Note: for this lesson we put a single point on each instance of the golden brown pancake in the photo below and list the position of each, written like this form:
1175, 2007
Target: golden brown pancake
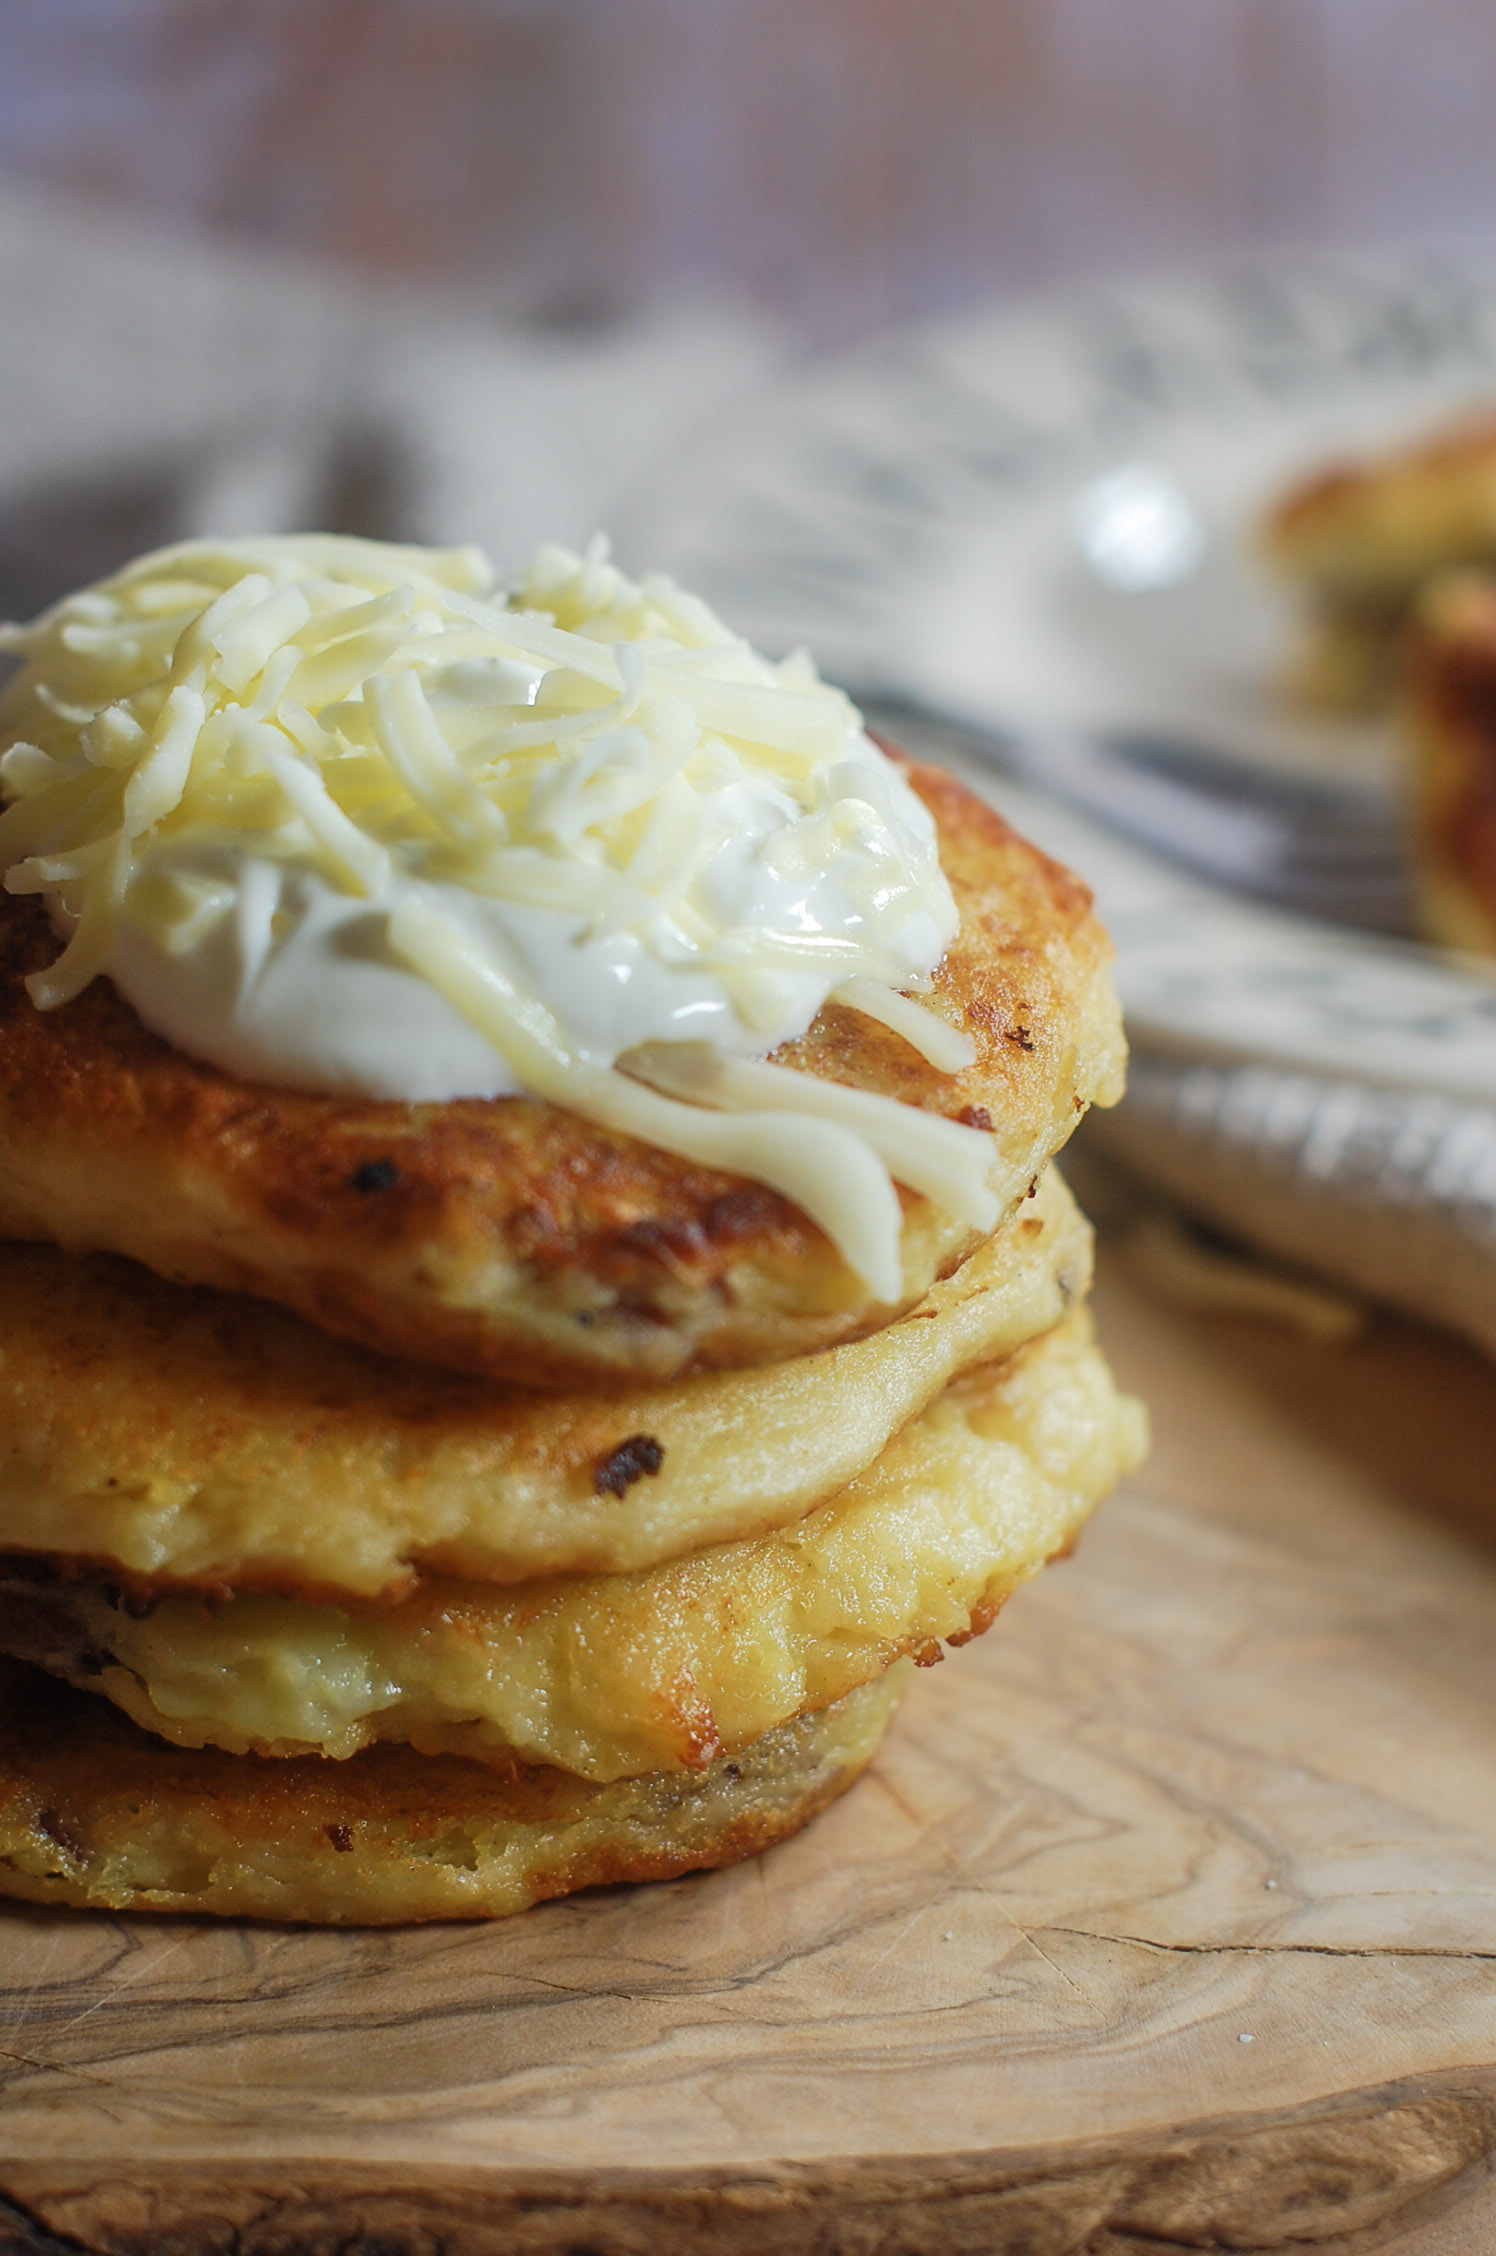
511, 1239
95, 1813
1371, 531
618, 1675
1360, 539
1451, 717
158, 1433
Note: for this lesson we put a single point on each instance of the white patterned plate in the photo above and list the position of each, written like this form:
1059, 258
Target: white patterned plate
1043, 516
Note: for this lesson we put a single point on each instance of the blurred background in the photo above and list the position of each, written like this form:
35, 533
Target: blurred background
514, 248
840, 164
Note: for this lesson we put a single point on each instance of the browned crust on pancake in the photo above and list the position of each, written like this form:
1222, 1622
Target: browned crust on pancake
1451, 709
210, 1440
96, 1813
1368, 531
512, 1239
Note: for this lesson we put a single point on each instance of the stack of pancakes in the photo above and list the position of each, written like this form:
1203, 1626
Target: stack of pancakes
415, 1511
1450, 725
1395, 558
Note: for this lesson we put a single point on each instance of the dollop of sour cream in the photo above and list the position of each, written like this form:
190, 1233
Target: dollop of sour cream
344, 816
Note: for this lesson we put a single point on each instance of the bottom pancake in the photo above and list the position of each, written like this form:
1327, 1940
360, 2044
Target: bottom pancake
96, 1813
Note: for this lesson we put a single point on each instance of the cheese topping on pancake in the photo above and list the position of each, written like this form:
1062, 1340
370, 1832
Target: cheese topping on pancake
342, 816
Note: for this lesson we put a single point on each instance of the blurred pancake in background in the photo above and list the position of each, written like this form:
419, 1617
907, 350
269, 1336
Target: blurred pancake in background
1360, 540
1450, 715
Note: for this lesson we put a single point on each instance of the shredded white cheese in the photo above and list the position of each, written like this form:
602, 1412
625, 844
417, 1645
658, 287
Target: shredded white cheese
335, 814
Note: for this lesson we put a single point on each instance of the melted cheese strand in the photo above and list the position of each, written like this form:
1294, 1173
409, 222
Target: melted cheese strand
832, 1175
947, 1162
943, 1045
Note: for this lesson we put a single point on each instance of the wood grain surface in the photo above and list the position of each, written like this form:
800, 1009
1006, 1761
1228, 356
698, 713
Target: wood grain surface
1165, 1919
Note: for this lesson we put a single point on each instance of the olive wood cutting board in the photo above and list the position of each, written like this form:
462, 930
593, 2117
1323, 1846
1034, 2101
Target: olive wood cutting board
1166, 1918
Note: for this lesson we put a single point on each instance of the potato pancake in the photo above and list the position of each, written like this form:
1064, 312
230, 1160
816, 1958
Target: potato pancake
1361, 539
511, 1239
95, 1813
618, 1675
1450, 727
1371, 531
162, 1434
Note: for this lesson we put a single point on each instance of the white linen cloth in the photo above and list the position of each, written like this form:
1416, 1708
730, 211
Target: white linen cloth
1322, 1095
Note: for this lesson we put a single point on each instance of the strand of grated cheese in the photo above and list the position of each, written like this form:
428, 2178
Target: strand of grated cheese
834, 1176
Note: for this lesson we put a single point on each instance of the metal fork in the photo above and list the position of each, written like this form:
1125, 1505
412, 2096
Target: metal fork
1325, 849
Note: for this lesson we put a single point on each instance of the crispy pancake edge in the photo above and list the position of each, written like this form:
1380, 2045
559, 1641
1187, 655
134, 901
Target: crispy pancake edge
617, 1675
1367, 530
162, 1434
96, 1814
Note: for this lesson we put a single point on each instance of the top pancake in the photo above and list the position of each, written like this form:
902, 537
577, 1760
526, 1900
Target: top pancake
514, 1240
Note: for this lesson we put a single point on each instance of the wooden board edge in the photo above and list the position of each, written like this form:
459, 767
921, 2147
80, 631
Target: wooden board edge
1334, 2178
